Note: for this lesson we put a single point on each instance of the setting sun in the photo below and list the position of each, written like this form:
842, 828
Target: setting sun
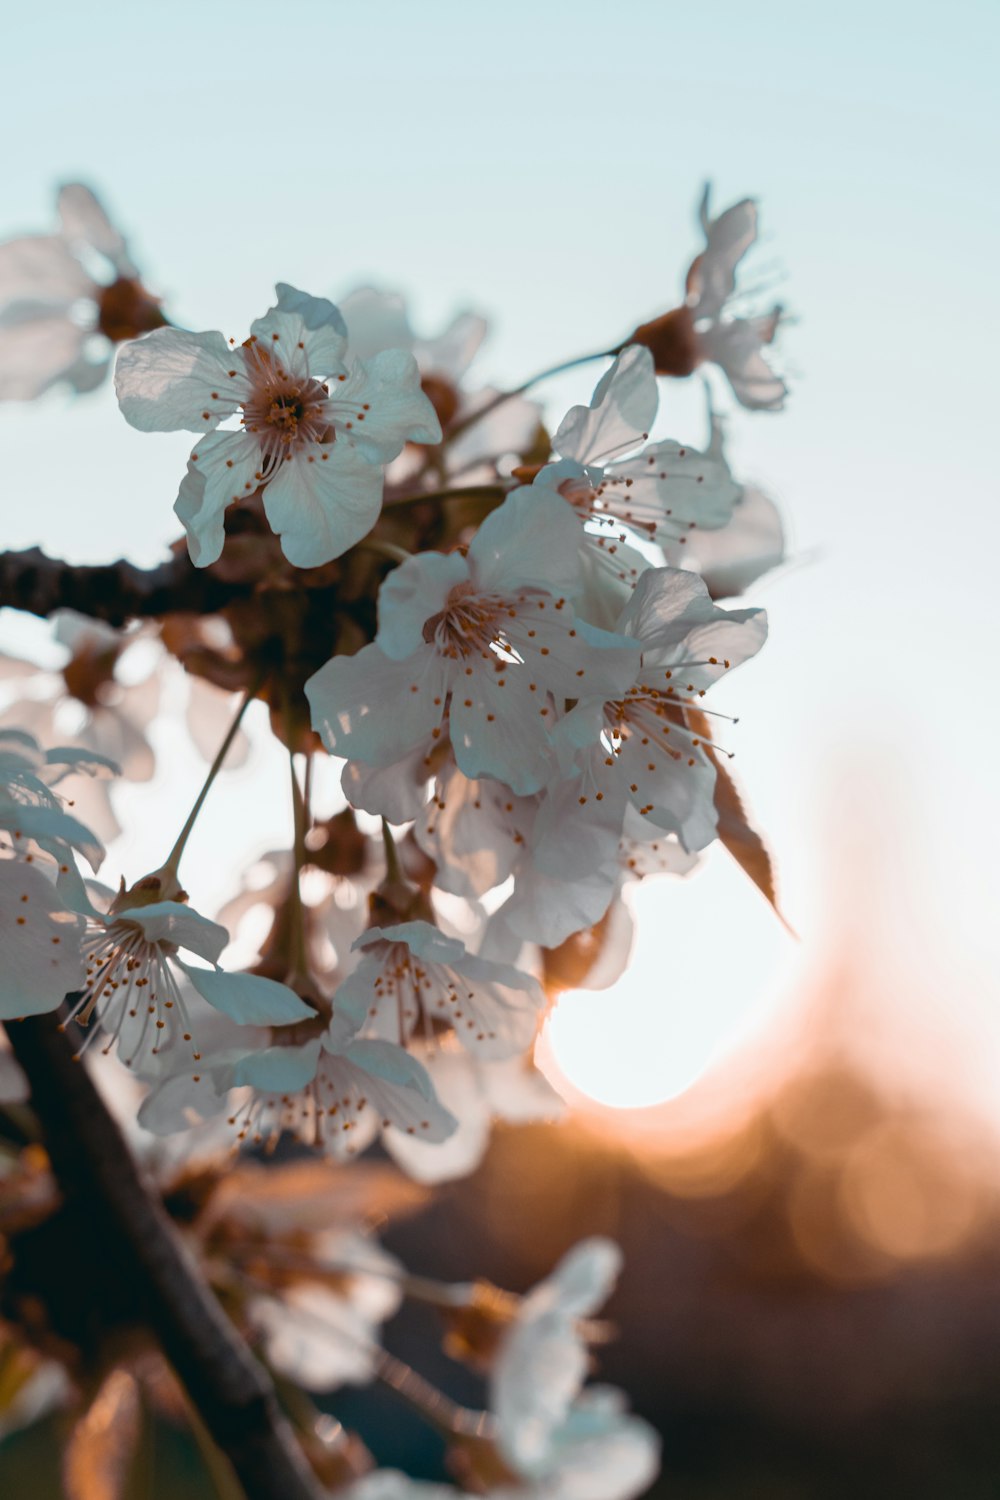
684, 999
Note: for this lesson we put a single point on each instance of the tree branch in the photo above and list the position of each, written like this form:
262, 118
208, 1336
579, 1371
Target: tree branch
93, 1166
113, 592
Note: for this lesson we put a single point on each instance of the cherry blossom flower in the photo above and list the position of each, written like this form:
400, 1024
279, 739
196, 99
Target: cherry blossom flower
132, 986
488, 640
338, 1094
313, 434
705, 329
646, 753
58, 320
661, 492
553, 1439
411, 973
42, 936
735, 344
314, 1082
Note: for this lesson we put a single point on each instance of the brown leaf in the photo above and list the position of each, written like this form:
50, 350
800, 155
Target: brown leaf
743, 841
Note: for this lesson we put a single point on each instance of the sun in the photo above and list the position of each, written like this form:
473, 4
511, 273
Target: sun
683, 1002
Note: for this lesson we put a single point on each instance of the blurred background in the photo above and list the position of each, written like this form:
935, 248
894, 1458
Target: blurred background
794, 1137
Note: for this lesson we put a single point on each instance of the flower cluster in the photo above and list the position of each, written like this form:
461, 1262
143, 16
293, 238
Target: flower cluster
493, 648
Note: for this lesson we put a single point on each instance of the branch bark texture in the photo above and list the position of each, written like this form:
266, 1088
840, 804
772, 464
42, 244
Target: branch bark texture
112, 592
230, 1390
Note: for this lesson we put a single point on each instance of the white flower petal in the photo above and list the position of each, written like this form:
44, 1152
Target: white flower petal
712, 277
171, 922
171, 379
315, 1337
399, 1089
312, 334
620, 414
223, 467
382, 406
530, 541
85, 222
279, 1070
51, 828
750, 545
375, 320
452, 352
396, 792
40, 269
369, 708
36, 353
323, 499
668, 488
542, 1363
412, 594
737, 348
40, 940
248, 998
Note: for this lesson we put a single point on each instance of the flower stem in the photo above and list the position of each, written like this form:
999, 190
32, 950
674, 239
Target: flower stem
393, 869
459, 492
437, 1409
174, 857
384, 549
519, 390
299, 818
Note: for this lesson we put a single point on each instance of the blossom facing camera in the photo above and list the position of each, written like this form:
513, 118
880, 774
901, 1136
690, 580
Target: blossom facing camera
488, 639
310, 429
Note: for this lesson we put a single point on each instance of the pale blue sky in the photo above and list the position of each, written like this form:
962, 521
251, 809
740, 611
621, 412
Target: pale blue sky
542, 162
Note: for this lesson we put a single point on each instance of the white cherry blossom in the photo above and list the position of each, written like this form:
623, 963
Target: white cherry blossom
41, 935
313, 429
488, 640
736, 344
133, 982
321, 1330
65, 298
613, 477
338, 1095
646, 752
557, 1440
412, 976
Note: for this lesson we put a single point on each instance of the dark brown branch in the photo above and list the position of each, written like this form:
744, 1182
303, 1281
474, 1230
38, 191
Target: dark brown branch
113, 592
231, 1392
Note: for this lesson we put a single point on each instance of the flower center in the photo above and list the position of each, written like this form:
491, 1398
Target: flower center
469, 625
284, 410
